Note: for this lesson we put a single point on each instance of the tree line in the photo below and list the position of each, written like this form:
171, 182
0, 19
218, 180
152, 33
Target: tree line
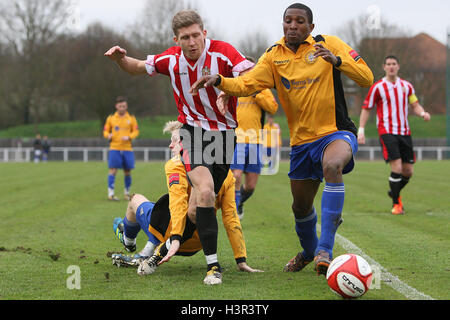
51, 73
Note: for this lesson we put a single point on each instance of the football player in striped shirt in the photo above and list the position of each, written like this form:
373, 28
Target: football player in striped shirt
306, 72
120, 129
391, 96
203, 124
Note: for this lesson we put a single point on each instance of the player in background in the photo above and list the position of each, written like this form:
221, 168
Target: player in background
45, 148
120, 129
391, 96
193, 56
272, 139
305, 71
247, 160
37, 147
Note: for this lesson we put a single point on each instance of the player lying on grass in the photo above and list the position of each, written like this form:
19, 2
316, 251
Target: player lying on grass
179, 238
154, 219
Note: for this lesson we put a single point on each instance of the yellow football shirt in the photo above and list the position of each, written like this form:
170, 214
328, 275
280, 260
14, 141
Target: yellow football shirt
310, 89
251, 113
121, 126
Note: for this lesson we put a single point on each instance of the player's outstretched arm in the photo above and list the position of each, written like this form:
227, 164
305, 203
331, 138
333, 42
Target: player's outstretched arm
127, 64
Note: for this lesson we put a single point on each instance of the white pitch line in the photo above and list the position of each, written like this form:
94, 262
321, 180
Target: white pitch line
398, 285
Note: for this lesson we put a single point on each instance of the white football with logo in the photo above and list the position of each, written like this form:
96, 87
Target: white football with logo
349, 276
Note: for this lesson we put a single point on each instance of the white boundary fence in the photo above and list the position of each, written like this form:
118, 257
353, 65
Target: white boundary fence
86, 154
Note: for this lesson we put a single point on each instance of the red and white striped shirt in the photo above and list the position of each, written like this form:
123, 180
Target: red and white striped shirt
391, 100
200, 110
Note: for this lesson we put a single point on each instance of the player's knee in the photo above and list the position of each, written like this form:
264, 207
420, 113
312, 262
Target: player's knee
332, 169
301, 210
407, 172
206, 197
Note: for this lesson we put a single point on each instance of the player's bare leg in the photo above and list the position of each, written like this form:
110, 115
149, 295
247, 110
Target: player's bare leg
206, 221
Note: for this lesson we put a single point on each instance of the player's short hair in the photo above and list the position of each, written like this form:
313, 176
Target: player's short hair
301, 6
391, 56
185, 18
171, 126
121, 99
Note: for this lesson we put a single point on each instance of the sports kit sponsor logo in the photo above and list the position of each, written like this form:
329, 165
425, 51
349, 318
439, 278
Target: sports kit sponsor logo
286, 83
278, 62
354, 55
174, 179
298, 84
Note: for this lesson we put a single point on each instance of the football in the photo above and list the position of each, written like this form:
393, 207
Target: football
349, 276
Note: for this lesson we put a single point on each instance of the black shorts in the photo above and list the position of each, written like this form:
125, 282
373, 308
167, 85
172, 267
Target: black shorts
397, 147
211, 149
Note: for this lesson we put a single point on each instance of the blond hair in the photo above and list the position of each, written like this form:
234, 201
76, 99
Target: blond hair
185, 18
171, 126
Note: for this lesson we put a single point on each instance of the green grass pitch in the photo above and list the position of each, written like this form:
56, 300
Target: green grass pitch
55, 215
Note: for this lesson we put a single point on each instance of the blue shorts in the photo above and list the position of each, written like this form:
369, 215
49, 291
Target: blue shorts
306, 159
121, 159
247, 157
143, 215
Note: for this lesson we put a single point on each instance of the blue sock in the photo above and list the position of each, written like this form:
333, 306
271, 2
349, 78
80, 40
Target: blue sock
111, 180
237, 196
332, 204
306, 231
130, 229
127, 181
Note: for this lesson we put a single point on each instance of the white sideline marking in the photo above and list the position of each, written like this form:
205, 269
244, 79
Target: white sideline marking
398, 285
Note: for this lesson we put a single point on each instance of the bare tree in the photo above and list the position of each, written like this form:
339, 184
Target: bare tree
28, 26
355, 30
359, 33
153, 28
254, 45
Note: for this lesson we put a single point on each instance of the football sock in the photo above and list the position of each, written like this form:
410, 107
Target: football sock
245, 194
395, 183
130, 229
111, 180
207, 231
332, 204
147, 251
237, 196
404, 182
127, 182
306, 231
